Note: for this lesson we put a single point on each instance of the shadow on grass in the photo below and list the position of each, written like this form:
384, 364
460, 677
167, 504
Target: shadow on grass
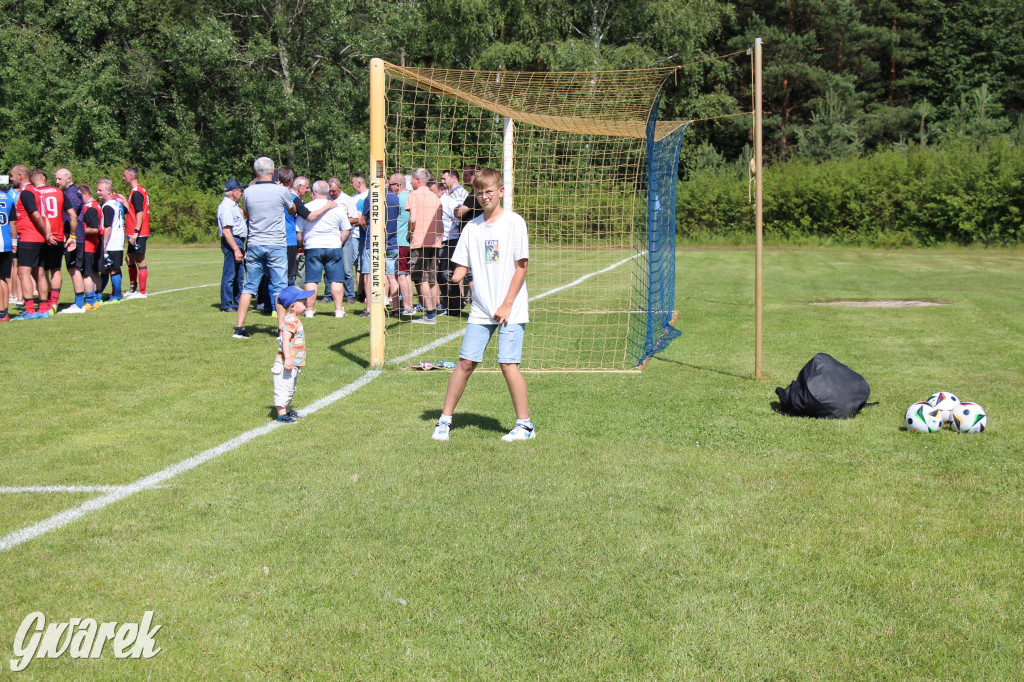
462, 420
263, 329
714, 302
704, 369
341, 347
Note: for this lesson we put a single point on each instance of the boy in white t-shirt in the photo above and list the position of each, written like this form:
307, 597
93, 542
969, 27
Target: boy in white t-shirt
496, 248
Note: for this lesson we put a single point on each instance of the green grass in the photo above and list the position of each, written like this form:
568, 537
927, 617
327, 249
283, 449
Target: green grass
666, 525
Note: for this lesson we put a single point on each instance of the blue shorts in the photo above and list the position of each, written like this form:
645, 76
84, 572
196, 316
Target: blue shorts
390, 261
320, 261
510, 342
272, 260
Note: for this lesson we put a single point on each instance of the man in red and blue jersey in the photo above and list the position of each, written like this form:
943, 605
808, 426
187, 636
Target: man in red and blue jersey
137, 230
7, 199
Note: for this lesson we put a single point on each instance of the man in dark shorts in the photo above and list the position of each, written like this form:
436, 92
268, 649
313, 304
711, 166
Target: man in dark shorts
137, 231
113, 238
91, 265
6, 245
33, 238
51, 207
470, 209
75, 239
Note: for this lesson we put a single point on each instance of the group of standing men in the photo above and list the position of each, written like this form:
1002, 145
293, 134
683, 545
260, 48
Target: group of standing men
279, 237
42, 227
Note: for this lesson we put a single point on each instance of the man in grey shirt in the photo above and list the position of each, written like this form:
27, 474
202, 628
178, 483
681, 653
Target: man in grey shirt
265, 204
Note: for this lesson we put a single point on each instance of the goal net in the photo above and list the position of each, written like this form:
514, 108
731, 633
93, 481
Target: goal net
592, 171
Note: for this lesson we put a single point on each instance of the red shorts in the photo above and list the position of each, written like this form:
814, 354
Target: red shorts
403, 260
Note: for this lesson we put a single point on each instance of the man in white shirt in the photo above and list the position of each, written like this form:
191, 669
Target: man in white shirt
455, 194
233, 230
322, 240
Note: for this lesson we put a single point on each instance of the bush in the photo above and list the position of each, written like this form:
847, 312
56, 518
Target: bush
916, 197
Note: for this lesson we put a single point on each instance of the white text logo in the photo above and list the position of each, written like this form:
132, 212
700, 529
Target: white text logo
82, 638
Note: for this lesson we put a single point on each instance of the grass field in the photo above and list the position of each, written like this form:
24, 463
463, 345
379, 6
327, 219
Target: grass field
663, 525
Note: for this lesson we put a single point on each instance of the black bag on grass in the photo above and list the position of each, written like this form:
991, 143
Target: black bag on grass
825, 388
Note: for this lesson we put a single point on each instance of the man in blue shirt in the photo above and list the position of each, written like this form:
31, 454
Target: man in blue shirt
74, 234
391, 246
286, 177
7, 198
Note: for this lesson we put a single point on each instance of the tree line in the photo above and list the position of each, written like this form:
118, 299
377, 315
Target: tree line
195, 90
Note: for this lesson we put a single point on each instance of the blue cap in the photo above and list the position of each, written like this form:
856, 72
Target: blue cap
292, 294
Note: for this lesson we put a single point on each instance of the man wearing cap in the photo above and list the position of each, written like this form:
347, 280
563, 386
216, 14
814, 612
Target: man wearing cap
233, 231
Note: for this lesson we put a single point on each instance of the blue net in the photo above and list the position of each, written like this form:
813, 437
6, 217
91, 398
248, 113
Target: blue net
659, 248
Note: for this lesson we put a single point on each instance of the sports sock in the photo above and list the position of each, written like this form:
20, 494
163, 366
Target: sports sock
524, 422
54, 296
115, 286
445, 419
3, 313
133, 276
143, 276
44, 306
80, 300
104, 278
30, 306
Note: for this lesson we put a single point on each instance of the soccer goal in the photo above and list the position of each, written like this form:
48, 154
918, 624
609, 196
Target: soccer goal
587, 164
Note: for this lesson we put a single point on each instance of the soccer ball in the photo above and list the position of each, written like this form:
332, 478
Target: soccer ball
944, 402
923, 418
969, 418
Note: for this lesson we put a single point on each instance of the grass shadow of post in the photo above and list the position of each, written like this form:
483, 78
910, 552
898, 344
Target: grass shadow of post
340, 347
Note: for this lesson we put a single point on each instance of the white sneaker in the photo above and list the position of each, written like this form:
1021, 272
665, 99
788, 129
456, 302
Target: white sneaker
309, 313
424, 320
71, 309
139, 294
441, 431
521, 432
339, 313
130, 295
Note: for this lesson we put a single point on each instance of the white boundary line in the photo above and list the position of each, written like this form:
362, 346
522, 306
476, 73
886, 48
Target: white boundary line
12, 540
171, 291
14, 490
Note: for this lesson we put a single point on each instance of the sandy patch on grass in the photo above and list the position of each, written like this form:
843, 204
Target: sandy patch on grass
883, 303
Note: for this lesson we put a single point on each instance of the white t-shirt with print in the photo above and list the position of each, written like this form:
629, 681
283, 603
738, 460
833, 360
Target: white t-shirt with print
490, 251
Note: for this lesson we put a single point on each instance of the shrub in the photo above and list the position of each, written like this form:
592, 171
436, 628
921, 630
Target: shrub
958, 195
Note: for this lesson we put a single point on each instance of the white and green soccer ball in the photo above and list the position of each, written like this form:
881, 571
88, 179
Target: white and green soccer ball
944, 402
969, 418
922, 417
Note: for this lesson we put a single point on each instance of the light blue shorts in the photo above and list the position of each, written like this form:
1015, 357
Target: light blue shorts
510, 342
390, 261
